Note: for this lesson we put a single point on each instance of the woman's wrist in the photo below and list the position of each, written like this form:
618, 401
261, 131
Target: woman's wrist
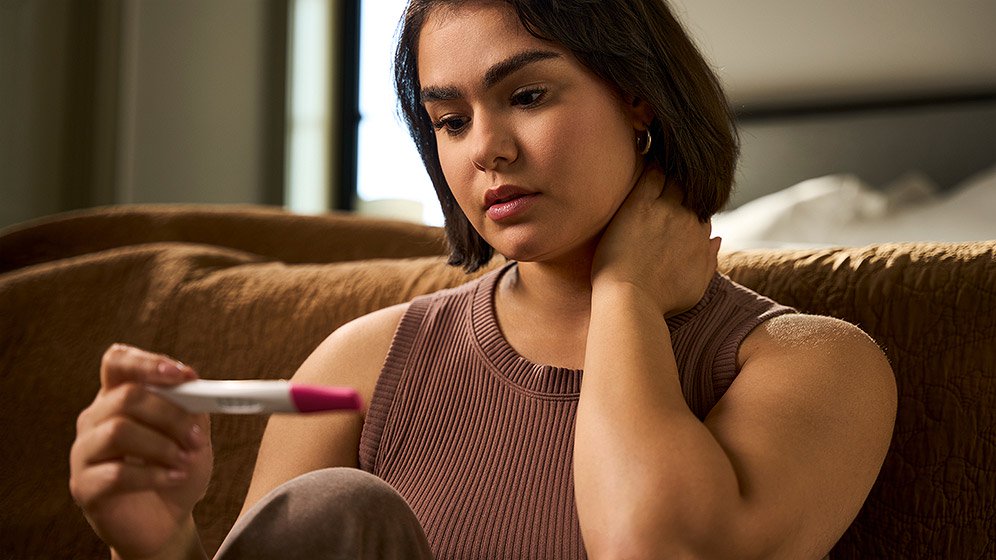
186, 545
615, 289
630, 293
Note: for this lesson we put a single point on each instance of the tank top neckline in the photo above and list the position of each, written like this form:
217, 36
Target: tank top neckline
545, 381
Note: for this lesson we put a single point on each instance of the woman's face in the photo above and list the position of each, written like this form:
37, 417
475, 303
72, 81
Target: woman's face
538, 152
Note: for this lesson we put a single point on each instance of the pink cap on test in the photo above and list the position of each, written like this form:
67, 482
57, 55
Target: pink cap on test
312, 398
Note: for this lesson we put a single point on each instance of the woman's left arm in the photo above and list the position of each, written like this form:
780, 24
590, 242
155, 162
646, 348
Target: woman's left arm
783, 462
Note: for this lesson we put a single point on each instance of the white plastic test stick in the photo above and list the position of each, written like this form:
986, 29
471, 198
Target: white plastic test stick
257, 397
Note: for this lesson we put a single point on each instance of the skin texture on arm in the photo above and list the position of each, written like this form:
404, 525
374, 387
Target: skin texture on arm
293, 445
763, 476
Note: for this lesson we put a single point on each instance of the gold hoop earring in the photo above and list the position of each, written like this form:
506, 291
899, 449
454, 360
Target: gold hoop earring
646, 145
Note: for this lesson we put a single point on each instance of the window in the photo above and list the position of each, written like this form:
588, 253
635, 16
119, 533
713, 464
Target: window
390, 177
307, 167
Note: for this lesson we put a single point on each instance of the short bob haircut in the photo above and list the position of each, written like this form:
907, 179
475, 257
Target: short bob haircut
639, 48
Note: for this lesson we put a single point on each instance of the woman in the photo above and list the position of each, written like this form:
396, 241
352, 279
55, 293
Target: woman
588, 143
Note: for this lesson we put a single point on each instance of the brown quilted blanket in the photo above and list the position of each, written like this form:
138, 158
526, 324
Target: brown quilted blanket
247, 293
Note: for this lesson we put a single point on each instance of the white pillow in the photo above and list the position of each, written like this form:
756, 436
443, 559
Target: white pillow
843, 210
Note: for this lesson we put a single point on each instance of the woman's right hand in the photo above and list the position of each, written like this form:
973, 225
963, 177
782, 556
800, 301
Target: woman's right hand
657, 245
139, 462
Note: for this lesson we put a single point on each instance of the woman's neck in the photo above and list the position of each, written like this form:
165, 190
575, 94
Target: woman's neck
543, 309
565, 289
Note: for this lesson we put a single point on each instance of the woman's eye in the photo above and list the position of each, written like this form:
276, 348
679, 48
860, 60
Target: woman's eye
528, 97
452, 125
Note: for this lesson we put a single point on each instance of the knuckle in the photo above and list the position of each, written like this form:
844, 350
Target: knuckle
121, 363
127, 399
76, 490
88, 488
116, 429
74, 456
112, 475
112, 364
114, 353
83, 421
129, 395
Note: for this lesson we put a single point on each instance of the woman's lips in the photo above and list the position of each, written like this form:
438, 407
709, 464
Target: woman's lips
507, 201
510, 208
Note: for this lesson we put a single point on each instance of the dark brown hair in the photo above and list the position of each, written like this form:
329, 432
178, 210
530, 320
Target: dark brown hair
637, 47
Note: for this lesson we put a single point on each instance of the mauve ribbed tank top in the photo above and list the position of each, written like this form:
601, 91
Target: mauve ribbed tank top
478, 439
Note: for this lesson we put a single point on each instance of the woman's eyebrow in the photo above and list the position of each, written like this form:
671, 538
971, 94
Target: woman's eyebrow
503, 69
433, 93
494, 74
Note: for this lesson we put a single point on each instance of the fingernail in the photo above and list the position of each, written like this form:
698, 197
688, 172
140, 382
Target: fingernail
170, 370
196, 436
185, 370
176, 474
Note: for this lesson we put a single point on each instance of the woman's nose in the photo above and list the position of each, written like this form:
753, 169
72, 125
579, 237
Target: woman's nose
494, 144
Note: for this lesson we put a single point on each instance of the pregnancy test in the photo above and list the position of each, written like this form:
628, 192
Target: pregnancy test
257, 397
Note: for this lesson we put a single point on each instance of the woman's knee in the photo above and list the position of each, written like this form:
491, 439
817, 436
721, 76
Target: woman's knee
330, 513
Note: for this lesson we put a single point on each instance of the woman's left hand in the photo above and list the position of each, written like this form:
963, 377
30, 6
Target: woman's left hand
657, 245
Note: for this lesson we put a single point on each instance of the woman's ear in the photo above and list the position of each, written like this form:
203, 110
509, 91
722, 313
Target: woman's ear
642, 113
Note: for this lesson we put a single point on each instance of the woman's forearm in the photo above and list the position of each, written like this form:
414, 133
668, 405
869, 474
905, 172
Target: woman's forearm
648, 473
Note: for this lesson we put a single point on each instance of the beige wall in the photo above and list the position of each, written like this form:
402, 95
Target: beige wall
192, 107
141, 101
785, 52
33, 59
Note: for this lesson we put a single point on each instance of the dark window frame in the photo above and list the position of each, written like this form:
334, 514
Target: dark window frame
347, 38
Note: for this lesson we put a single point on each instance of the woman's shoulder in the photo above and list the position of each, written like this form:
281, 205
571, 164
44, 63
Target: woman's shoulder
824, 368
795, 331
825, 350
372, 327
354, 353
365, 342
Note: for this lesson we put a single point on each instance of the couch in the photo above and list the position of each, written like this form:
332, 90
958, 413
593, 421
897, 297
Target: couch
247, 292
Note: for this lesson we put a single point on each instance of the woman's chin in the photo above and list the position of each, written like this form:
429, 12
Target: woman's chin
546, 250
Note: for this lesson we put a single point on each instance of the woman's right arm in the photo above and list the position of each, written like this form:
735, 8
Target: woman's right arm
139, 463
294, 444
137, 469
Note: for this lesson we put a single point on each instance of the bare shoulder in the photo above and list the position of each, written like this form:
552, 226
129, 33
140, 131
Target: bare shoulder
824, 369
832, 349
354, 353
807, 422
794, 328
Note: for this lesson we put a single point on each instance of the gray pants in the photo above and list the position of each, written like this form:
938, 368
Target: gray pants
335, 513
